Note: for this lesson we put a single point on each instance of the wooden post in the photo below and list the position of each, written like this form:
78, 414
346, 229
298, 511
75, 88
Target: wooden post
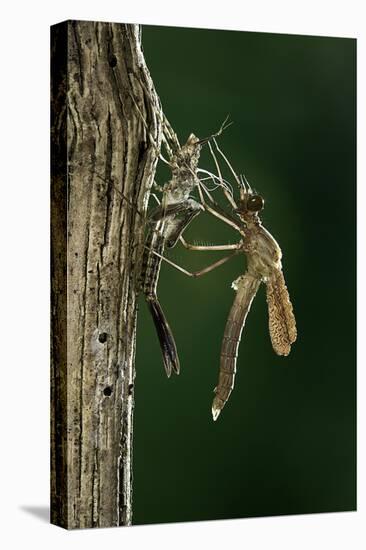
99, 145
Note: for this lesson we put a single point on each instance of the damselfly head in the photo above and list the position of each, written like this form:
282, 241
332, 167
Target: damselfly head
255, 203
251, 203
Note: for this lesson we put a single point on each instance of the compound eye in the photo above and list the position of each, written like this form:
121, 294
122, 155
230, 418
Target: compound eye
255, 203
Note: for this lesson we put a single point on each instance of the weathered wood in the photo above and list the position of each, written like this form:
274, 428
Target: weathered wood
98, 136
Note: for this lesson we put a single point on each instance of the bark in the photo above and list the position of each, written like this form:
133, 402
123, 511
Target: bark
99, 143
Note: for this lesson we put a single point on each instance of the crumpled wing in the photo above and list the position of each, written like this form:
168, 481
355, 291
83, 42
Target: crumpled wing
282, 324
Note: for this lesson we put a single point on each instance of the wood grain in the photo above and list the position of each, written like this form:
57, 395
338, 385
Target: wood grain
99, 143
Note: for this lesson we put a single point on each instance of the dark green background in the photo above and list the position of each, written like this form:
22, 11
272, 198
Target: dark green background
285, 442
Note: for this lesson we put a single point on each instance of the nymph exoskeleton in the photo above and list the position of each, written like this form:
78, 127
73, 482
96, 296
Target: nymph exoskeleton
166, 224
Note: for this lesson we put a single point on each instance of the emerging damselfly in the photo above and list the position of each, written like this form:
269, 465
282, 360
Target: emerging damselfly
263, 256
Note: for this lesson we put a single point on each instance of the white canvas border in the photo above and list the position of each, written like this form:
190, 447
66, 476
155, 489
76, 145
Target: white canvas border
25, 273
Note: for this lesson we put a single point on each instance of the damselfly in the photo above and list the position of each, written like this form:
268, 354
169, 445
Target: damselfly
263, 256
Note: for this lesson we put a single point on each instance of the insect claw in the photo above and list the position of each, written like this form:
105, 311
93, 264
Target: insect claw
223, 127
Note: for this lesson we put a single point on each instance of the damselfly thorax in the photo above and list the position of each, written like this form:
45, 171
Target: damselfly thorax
262, 251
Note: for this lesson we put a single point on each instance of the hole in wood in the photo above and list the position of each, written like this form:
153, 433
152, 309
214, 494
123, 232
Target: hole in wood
107, 391
102, 337
112, 60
